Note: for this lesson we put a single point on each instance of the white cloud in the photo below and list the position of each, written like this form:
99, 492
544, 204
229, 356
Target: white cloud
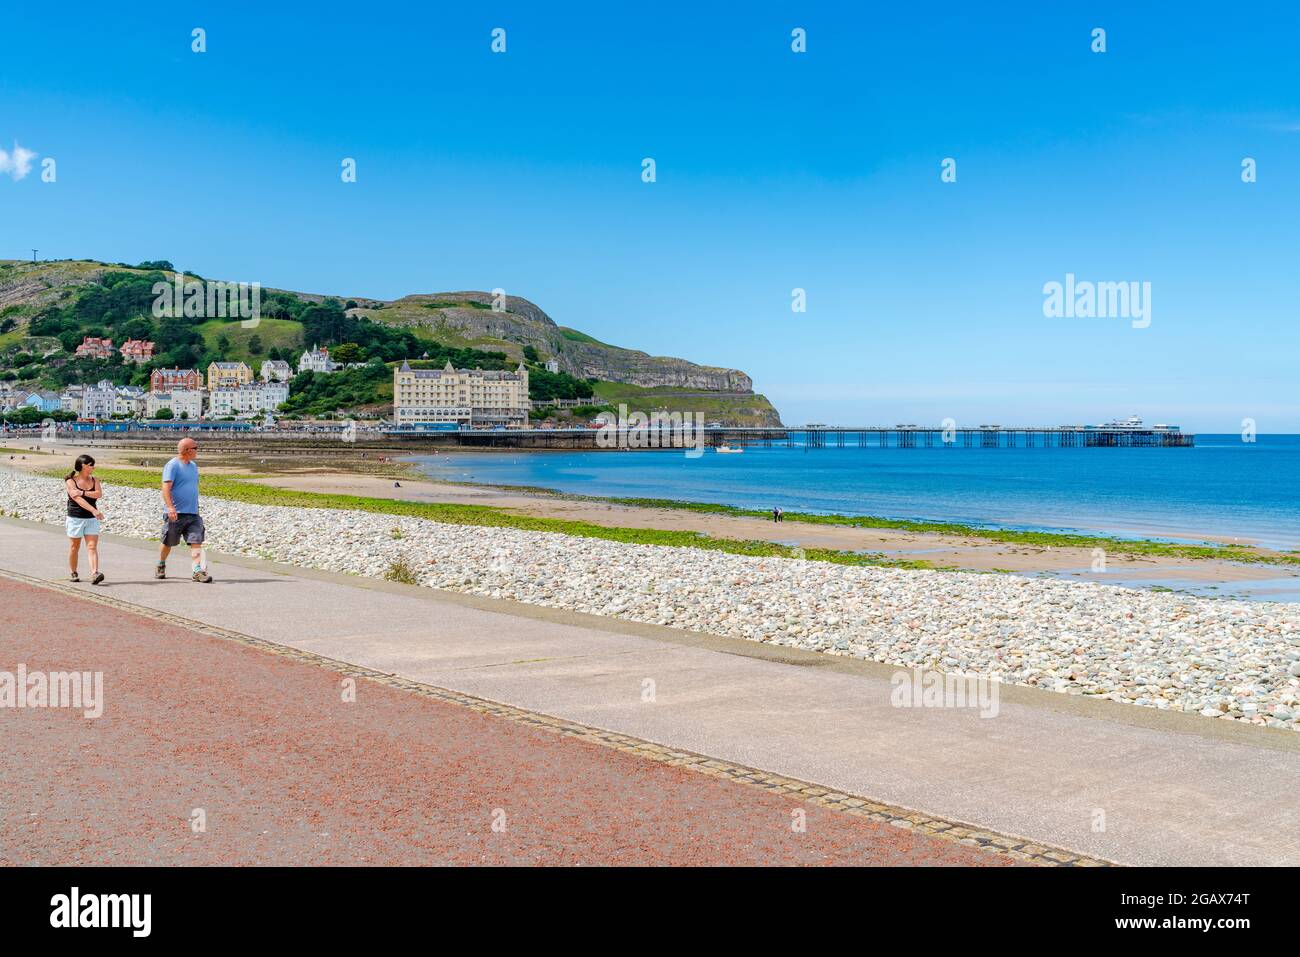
18, 163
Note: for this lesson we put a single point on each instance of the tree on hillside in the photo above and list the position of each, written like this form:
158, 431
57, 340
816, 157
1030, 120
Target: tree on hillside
322, 324
116, 298
543, 385
179, 344
255, 345
137, 328
347, 352
440, 355
281, 305
314, 394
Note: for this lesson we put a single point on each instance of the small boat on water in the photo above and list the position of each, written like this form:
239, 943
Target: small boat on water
728, 449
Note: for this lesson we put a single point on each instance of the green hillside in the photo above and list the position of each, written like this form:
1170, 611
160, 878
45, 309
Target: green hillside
253, 345
736, 409
47, 308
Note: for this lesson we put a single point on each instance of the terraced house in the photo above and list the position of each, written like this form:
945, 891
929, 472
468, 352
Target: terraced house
167, 380
183, 403
129, 400
247, 399
73, 400
43, 401
97, 400
469, 398
276, 370
228, 375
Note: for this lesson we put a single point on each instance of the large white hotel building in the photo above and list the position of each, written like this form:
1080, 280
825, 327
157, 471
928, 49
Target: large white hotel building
464, 397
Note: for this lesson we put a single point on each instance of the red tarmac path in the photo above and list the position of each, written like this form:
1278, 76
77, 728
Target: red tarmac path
288, 773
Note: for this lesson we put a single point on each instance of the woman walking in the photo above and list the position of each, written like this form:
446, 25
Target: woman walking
84, 492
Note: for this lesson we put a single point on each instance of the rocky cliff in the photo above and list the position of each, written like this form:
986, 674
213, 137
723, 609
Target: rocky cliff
468, 316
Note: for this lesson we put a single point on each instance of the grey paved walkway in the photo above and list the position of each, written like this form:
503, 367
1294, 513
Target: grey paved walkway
1123, 783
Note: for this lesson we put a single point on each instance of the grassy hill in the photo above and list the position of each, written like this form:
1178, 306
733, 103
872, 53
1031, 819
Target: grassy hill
731, 409
283, 334
47, 307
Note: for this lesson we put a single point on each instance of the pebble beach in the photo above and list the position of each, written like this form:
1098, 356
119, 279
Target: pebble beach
1221, 659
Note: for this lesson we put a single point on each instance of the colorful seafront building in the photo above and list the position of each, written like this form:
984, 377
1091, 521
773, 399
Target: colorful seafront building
179, 390
103, 400
228, 375
247, 398
188, 402
168, 380
40, 400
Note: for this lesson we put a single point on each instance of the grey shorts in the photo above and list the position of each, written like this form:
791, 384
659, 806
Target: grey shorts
187, 526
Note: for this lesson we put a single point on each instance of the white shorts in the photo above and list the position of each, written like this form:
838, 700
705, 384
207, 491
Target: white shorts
77, 527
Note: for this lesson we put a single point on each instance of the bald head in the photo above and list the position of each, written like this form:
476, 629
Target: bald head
186, 449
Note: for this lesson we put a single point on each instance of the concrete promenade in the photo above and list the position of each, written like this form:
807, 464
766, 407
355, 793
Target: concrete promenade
1125, 784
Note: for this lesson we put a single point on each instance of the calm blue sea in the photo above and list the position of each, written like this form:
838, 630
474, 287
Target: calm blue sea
1223, 488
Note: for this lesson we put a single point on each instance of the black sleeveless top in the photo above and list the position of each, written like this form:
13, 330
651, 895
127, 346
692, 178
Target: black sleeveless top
75, 510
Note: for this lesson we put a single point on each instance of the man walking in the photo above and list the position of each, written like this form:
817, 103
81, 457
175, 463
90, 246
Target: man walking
180, 494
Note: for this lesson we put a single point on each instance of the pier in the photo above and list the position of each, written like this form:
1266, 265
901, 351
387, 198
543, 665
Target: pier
821, 437
989, 437
330, 438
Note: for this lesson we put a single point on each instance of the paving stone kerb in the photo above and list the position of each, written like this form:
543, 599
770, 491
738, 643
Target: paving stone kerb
1171, 792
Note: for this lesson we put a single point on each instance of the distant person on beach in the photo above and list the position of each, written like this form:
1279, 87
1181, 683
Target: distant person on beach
780, 515
774, 514
84, 492
180, 494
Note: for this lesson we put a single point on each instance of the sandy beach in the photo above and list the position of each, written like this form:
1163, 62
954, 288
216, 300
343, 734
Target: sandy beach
356, 476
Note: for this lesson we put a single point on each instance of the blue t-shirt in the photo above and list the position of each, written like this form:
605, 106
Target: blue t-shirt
184, 477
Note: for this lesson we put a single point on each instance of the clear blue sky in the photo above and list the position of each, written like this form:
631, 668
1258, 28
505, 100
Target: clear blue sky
775, 171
